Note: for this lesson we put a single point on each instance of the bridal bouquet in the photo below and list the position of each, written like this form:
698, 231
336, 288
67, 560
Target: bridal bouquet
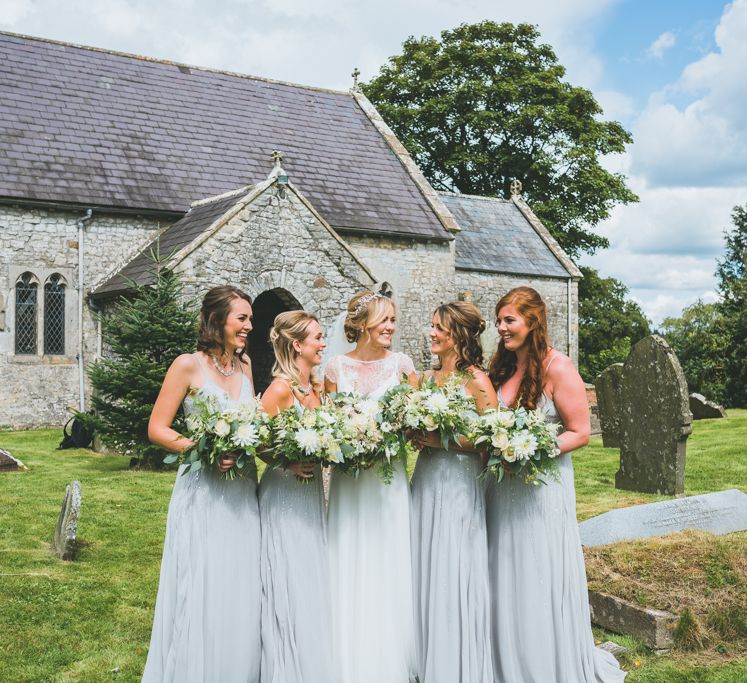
519, 442
217, 432
309, 436
446, 409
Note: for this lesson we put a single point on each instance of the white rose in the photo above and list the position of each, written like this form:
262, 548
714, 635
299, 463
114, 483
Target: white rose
222, 428
500, 440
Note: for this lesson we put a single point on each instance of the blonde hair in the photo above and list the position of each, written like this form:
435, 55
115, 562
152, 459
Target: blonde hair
288, 327
365, 310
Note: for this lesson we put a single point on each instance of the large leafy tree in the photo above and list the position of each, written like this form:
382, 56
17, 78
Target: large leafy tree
144, 333
699, 338
487, 103
732, 276
608, 323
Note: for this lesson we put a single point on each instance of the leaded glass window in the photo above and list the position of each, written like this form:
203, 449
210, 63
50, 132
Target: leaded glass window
26, 307
54, 316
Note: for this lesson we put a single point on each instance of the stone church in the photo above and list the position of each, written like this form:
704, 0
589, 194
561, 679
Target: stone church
299, 195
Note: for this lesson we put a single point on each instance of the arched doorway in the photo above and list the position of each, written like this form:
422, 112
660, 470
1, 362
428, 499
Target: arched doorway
265, 307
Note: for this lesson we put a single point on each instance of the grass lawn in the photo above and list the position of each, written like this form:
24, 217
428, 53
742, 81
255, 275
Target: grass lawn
90, 620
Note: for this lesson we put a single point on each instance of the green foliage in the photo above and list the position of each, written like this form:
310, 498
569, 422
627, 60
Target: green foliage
608, 323
487, 103
145, 333
688, 634
699, 338
732, 275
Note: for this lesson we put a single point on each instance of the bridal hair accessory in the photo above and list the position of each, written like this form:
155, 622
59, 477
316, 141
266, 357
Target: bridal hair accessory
384, 291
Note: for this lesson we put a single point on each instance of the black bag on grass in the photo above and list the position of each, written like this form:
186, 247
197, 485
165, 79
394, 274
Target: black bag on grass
80, 434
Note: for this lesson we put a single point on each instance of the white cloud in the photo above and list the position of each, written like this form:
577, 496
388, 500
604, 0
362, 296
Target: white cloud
702, 142
14, 11
664, 42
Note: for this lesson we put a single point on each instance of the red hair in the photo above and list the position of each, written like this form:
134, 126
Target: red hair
530, 306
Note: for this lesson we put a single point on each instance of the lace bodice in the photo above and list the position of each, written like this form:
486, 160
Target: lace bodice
369, 377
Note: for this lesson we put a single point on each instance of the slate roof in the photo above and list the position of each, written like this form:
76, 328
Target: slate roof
89, 127
496, 237
169, 242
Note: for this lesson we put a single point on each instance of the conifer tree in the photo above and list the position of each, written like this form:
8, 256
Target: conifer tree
143, 334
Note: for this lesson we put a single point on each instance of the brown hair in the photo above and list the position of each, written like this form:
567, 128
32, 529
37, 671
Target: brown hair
530, 306
213, 314
366, 309
288, 327
464, 323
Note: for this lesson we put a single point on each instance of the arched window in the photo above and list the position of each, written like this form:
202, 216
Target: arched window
26, 308
54, 315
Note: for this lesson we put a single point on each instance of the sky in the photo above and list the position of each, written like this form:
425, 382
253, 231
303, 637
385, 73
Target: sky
669, 70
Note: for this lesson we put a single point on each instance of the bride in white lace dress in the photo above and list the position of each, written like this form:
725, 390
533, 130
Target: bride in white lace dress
369, 521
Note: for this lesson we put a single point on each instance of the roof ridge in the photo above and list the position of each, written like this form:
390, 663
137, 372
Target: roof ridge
218, 197
474, 196
169, 62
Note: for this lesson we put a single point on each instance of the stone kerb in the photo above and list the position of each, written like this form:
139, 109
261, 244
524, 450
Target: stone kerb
655, 420
608, 384
66, 533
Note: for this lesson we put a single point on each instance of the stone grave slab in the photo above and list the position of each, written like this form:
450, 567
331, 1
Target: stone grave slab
8, 463
608, 384
703, 409
66, 533
655, 420
722, 512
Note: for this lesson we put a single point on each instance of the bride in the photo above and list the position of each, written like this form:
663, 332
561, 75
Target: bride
369, 521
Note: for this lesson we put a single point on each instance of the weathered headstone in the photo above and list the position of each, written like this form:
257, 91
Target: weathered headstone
655, 420
608, 385
66, 534
591, 400
8, 463
723, 512
703, 409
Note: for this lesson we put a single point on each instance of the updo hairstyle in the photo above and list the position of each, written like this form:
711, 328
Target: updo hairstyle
366, 310
464, 323
288, 327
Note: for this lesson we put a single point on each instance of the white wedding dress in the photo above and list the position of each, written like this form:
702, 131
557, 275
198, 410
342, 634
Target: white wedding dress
369, 544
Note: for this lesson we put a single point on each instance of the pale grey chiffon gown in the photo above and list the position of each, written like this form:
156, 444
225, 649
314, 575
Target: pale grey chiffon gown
296, 610
539, 605
206, 626
450, 568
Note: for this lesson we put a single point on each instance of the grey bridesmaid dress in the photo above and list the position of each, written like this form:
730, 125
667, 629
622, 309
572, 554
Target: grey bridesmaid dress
539, 606
294, 571
450, 568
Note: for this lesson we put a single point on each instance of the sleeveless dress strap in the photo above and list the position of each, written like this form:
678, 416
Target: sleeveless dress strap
552, 360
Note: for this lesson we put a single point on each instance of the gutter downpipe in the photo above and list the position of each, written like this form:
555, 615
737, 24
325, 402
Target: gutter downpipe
81, 375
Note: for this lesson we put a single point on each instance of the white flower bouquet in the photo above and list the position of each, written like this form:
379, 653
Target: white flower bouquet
361, 436
446, 409
312, 435
519, 442
217, 432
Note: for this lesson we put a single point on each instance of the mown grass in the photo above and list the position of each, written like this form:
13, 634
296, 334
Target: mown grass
90, 620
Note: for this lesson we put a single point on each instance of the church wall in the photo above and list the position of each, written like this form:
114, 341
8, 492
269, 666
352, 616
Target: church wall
484, 290
37, 389
422, 277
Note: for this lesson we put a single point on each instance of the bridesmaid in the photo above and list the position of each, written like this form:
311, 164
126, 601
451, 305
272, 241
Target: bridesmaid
207, 618
296, 612
540, 610
449, 542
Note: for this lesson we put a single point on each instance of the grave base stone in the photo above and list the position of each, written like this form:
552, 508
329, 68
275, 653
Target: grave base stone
66, 533
8, 463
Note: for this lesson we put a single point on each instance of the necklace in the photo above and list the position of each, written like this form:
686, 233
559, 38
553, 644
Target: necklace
219, 367
304, 391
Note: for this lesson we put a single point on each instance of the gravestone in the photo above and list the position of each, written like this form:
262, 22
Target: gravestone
723, 512
608, 384
66, 534
655, 420
8, 463
703, 409
591, 400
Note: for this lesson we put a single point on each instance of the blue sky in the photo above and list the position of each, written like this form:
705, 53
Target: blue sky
670, 70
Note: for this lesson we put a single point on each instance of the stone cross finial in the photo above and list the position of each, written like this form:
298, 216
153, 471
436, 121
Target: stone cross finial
277, 168
355, 74
516, 187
